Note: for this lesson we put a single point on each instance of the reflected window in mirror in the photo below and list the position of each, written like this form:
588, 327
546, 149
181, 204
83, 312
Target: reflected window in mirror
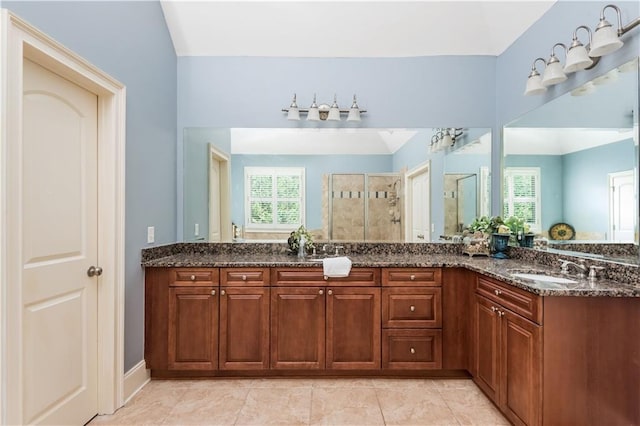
522, 195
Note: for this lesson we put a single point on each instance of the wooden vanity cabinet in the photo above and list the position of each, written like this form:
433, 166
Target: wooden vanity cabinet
244, 319
319, 322
192, 332
411, 318
508, 350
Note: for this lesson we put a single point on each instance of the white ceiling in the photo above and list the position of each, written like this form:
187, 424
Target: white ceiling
558, 141
348, 28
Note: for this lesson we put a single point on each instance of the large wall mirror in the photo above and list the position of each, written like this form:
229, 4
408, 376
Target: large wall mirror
570, 167
378, 185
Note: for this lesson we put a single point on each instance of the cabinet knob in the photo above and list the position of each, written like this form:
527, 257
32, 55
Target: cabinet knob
413, 351
244, 278
222, 292
412, 308
493, 309
213, 292
320, 292
192, 277
412, 277
497, 292
330, 292
326, 278
500, 313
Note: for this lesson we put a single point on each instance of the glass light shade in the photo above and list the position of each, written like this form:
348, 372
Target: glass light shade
354, 114
534, 86
577, 59
605, 41
293, 114
553, 74
313, 114
334, 113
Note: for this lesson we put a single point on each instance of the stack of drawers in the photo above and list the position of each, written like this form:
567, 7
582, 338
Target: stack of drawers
411, 318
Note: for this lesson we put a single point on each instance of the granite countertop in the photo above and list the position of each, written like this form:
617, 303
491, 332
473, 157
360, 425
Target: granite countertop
497, 268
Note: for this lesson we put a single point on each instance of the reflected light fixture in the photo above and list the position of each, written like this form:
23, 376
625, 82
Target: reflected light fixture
444, 138
534, 82
553, 73
605, 39
323, 111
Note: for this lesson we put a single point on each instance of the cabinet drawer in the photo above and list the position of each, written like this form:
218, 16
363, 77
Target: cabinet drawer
410, 277
411, 349
519, 301
251, 277
193, 277
358, 277
412, 307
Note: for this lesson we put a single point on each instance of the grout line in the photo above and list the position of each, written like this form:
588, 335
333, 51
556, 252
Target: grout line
375, 392
244, 404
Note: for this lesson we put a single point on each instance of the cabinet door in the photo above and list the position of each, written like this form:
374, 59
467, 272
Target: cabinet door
521, 369
297, 328
244, 328
193, 328
486, 340
353, 328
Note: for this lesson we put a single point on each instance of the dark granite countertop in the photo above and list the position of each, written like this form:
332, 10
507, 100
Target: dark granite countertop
501, 269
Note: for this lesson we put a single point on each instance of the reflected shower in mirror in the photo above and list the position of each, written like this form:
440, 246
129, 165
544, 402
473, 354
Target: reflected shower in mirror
570, 167
259, 184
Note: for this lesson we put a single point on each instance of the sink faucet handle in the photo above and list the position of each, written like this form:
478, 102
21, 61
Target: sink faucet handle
564, 265
338, 248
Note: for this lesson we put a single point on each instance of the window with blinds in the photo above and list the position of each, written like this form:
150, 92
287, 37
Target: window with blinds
522, 195
274, 197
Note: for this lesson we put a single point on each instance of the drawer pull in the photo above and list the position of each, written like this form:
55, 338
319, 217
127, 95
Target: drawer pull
493, 309
320, 292
412, 277
412, 308
330, 292
244, 278
213, 292
192, 277
222, 292
500, 313
497, 292
326, 278
413, 351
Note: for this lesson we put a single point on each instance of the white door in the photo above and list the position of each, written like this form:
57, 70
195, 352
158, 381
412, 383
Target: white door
215, 227
59, 235
622, 221
420, 220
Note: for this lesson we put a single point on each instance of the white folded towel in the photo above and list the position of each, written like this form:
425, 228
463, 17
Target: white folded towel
336, 266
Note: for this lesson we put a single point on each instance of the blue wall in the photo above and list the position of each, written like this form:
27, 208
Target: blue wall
129, 41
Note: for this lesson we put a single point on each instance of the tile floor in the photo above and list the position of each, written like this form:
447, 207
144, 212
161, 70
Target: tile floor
307, 402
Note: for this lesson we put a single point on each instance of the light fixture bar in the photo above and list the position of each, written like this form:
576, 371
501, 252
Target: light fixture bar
323, 112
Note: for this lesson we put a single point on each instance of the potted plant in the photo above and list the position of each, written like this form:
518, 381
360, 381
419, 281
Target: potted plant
520, 230
294, 240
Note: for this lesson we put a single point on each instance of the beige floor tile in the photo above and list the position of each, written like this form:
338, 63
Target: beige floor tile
345, 406
417, 406
343, 382
472, 407
403, 383
454, 384
217, 406
276, 406
278, 382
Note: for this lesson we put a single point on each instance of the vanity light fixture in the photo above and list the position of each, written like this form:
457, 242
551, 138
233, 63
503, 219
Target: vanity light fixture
323, 112
577, 55
553, 73
605, 39
534, 82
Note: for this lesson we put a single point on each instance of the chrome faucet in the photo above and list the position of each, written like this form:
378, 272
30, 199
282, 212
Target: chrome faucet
564, 267
301, 246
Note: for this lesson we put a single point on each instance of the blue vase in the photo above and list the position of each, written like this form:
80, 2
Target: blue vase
499, 244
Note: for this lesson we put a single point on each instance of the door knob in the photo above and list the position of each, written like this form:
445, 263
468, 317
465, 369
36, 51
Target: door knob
94, 271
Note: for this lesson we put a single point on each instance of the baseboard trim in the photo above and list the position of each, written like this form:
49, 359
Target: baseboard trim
135, 379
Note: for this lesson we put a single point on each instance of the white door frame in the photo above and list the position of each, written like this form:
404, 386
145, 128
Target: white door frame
225, 192
20, 40
408, 206
612, 177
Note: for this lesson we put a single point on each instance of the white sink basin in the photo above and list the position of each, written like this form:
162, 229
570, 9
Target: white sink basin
544, 278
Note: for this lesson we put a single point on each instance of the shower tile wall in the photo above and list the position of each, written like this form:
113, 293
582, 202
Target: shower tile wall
385, 223
347, 216
348, 219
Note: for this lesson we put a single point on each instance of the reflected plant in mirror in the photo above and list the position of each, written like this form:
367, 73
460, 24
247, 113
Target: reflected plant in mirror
570, 168
377, 185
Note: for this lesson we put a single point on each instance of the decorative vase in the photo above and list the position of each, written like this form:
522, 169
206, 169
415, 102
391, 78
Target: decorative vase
499, 244
526, 240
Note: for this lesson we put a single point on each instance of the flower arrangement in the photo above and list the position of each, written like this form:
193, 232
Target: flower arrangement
487, 225
294, 240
